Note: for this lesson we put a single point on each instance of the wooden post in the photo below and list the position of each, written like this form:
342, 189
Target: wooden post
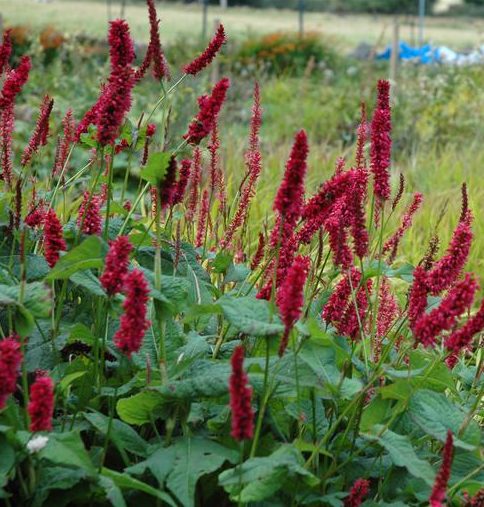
204, 19
421, 22
215, 64
224, 4
301, 17
395, 54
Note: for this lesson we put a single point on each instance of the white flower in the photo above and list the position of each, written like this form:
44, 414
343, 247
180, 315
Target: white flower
37, 443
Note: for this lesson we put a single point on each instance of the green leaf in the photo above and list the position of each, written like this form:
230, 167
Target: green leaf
140, 408
124, 437
67, 449
88, 255
124, 481
222, 262
182, 464
88, 281
51, 478
250, 316
261, 478
155, 168
67, 380
402, 453
113, 492
435, 414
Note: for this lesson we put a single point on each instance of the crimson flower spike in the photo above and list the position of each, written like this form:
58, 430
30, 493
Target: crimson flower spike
361, 139
116, 267
240, 398
10, 360
381, 142
39, 136
209, 54
53, 238
133, 322
358, 492
14, 82
41, 404
5, 50
438, 494
290, 297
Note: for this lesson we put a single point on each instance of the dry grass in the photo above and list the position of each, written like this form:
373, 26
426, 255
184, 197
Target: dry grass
185, 20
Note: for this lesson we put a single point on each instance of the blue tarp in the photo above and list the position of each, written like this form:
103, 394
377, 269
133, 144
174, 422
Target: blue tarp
440, 54
425, 54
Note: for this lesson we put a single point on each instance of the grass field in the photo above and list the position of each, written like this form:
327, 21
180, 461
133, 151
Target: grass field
182, 20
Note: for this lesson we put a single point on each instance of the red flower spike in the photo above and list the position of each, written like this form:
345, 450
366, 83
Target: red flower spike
5, 50
133, 322
461, 339
381, 142
356, 208
116, 265
358, 492
437, 497
53, 238
447, 270
69, 136
337, 303
240, 398
355, 314
209, 109
157, 56
195, 180
168, 186
417, 301
290, 196
41, 404
202, 220
14, 82
259, 253
89, 215
208, 55
458, 300
7, 124
10, 360
392, 244
290, 297
181, 185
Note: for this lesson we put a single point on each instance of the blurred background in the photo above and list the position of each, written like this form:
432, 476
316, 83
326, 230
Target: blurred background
316, 60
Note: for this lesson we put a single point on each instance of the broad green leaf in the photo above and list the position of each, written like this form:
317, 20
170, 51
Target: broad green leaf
236, 273
67, 449
113, 492
250, 316
88, 281
402, 453
155, 169
222, 262
182, 464
88, 255
124, 437
67, 380
376, 412
435, 414
124, 481
51, 478
140, 408
262, 477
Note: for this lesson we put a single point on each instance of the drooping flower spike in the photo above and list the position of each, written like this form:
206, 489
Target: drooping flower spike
209, 54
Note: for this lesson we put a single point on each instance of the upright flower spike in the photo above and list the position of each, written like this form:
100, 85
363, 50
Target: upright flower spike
334, 309
353, 322
168, 185
437, 497
338, 236
240, 398
116, 101
209, 109
290, 297
358, 492
417, 300
181, 184
362, 136
5, 50
381, 142
209, 54
456, 302
41, 404
202, 223
356, 208
447, 270
39, 136
116, 266
157, 56
392, 244
290, 196
10, 360
89, 217
259, 253
14, 82
53, 238
7, 124
253, 161
133, 322
69, 134
195, 181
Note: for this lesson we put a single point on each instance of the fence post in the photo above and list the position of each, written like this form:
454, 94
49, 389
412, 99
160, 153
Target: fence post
216, 63
421, 21
301, 7
395, 54
204, 19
